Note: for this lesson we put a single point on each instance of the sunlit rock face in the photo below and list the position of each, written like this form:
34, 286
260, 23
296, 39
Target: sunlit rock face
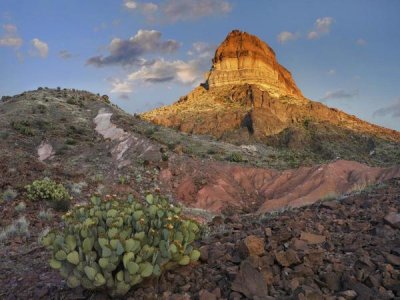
244, 58
248, 95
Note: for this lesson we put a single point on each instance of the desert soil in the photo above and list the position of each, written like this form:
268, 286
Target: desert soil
347, 248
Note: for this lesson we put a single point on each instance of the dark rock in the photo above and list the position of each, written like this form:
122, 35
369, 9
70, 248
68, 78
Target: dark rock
235, 296
374, 281
330, 204
206, 295
363, 292
303, 271
348, 295
307, 293
392, 259
217, 292
299, 244
217, 221
393, 219
250, 282
204, 253
312, 238
287, 258
232, 271
332, 281
252, 245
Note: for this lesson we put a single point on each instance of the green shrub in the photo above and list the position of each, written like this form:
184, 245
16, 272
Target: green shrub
235, 157
9, 195
50, 191
123, 179
42, 108
22, 127
4, 135
106, 99
70, 141
211, 151
45, 215
20, 207
114, 244
19, 227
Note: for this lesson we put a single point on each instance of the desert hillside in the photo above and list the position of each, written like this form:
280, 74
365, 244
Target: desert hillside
249, 96
244, 195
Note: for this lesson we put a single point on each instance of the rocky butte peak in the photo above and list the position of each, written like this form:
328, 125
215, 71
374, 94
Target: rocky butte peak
244, 58
248, 95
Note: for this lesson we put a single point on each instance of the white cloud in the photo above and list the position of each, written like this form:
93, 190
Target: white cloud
189, 72
129, 52
179, 10
10, 37
64, 54
149, 8
121, 86
393, 110
361, 42
322, 27
145, 8
202, 50
331, 72
131, 4
42, 49
162, 71
339, 94
10, 28
286, 36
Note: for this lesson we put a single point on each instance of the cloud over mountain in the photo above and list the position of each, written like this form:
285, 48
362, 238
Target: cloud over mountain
179, 10
10, 37
161, 71
339, 94
322, 27
286, 36
40, 48
392, 110
130, 51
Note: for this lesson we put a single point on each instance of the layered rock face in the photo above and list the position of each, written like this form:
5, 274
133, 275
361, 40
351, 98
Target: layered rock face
215, 186
248, 94
244, 58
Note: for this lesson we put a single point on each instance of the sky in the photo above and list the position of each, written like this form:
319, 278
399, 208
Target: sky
145, 54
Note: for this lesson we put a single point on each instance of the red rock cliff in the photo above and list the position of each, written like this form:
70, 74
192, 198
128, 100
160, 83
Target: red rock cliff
244, 58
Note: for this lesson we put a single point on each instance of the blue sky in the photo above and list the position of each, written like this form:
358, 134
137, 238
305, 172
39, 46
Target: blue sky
148, 53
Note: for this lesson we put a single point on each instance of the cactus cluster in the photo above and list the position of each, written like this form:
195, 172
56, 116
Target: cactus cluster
115, 244
48, 190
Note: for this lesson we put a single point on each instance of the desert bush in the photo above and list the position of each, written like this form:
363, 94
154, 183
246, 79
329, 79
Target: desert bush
23, 127
42, 108
70, 141
114, 244
9, 195
4, 135
20, 207
235, 157
211, 151
19, 227
105, 99
49, 190
123, 179
45, 215
5, 98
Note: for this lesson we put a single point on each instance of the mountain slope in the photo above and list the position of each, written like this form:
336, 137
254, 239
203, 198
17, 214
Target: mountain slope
250, 97
90, 146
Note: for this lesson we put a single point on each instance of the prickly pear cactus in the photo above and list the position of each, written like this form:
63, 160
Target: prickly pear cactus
114, 244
